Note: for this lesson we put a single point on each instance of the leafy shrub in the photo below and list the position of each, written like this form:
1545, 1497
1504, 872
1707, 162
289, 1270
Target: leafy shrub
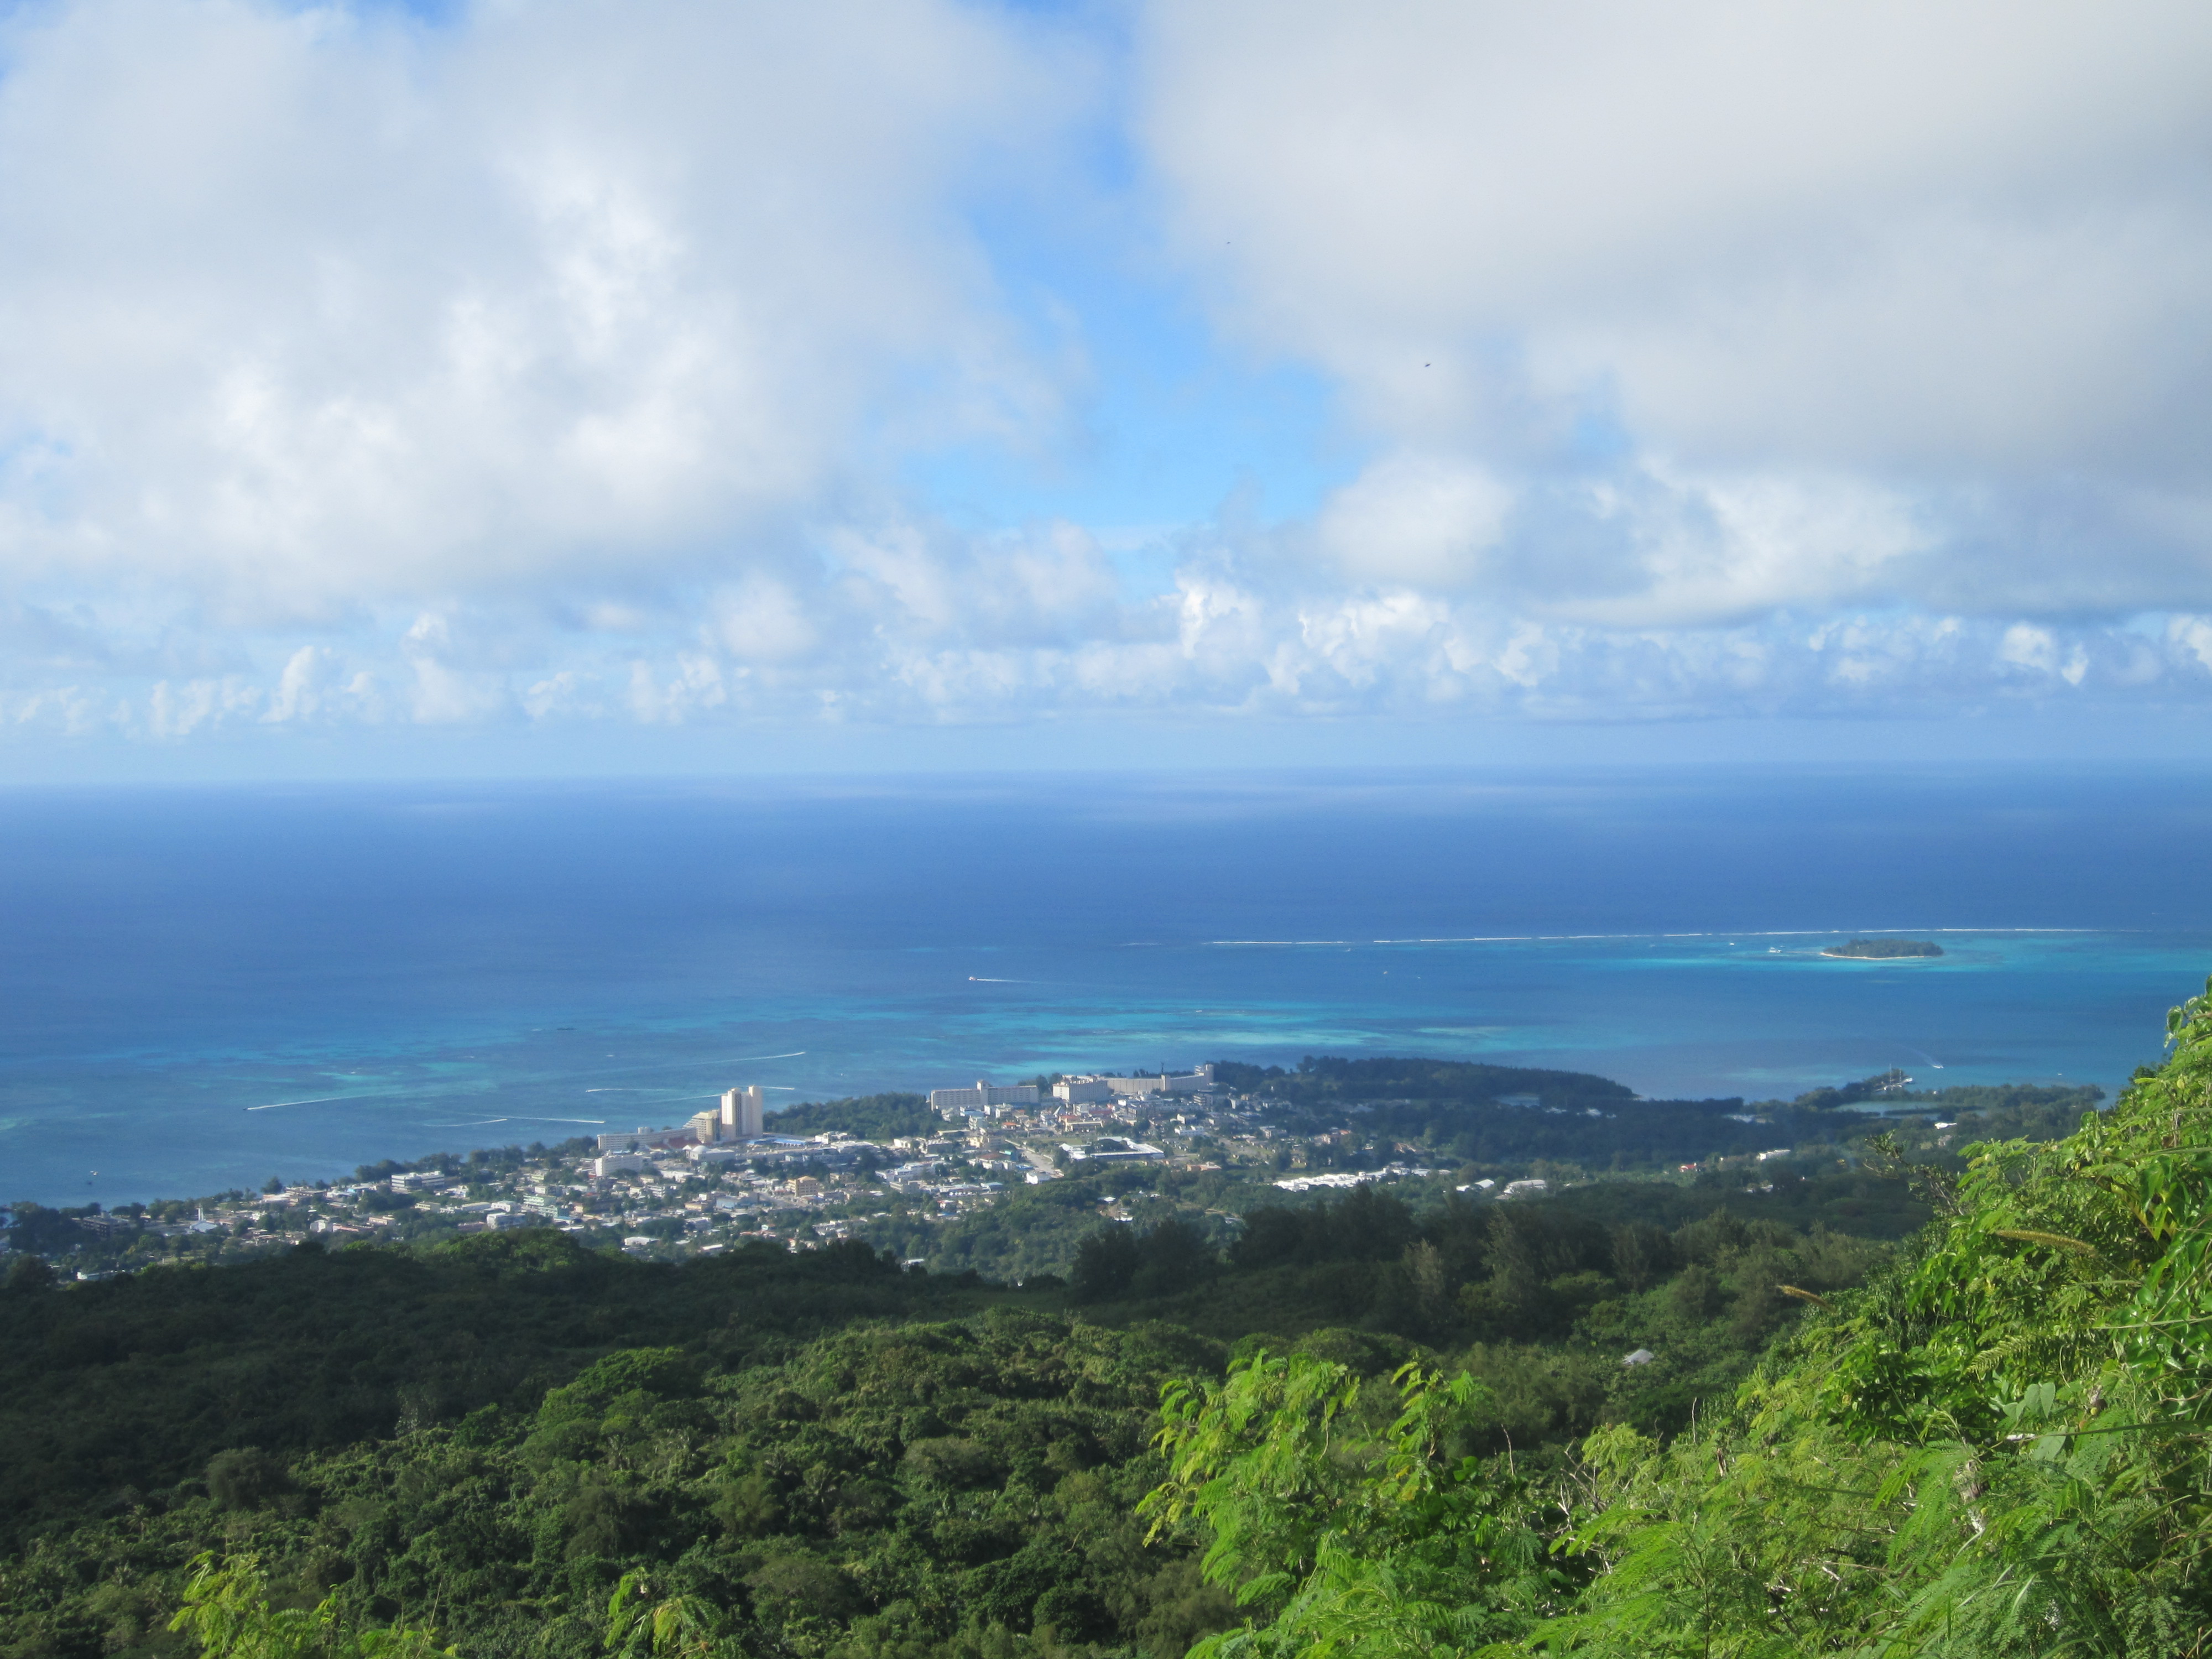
246, 1478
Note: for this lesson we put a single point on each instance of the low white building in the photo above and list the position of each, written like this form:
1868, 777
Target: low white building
1107, 1150
950, 1103
610, 1164
1346, 1178
645, 1140
1075, 1090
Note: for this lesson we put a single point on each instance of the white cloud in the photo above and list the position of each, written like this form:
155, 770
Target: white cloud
299, 693
2028, 647
1870, 278
1412, 518
570, 362
180, 710
1238, 637
306, 310
454, 685
693, 686
1051, 583
762, 620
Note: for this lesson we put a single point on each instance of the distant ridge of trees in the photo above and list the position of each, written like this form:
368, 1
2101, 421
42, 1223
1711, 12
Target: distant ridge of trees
1885, 950
1320, 1079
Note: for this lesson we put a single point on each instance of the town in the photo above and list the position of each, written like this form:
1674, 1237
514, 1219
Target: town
918, 1176
726, 1175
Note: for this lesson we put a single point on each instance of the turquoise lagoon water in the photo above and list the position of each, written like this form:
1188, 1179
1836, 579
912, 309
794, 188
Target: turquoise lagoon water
201, 988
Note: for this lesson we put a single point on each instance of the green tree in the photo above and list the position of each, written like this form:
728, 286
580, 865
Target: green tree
645, 1620
226, 1609
1349, 1534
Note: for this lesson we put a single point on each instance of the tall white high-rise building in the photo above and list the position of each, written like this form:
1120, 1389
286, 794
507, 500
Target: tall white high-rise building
741, 1111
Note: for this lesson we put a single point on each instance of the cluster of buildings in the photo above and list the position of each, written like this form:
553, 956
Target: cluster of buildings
720, 1177
736, 1130
1340, 1179
990, 1100
741, 1117
733, 1133
716, 1135
732, 1139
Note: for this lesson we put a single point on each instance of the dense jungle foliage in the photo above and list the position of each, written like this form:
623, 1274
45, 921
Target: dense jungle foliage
1354, 1423
872, 1117
813, 1453
1997, 1446
1331, 1078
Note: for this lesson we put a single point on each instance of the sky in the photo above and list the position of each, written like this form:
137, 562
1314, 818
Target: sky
557, 385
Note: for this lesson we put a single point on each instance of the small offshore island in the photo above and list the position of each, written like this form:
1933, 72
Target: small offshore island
1883, 950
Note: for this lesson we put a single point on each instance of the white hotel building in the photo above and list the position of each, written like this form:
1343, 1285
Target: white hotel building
952, 1102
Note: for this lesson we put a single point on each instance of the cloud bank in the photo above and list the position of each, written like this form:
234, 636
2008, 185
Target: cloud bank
566, 362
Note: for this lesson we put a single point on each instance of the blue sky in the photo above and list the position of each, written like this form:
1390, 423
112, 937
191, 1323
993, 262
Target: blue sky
551, 386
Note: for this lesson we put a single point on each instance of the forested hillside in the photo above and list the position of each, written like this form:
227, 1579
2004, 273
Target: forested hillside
1996, 1446
1635, 1418
485, 1437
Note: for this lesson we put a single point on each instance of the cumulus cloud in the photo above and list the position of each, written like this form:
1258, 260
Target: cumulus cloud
310, 309
1421, 518
1872, 280
569, 363
1232, 639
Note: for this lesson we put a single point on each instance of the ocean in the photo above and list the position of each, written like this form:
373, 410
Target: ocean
200, 989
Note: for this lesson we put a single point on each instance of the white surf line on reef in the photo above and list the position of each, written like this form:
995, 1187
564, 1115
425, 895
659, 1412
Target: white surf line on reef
405, 1089
405, 1092
1738, 932
316, 1100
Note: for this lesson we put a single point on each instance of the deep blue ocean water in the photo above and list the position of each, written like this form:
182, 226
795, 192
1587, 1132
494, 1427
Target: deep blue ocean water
200, 989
